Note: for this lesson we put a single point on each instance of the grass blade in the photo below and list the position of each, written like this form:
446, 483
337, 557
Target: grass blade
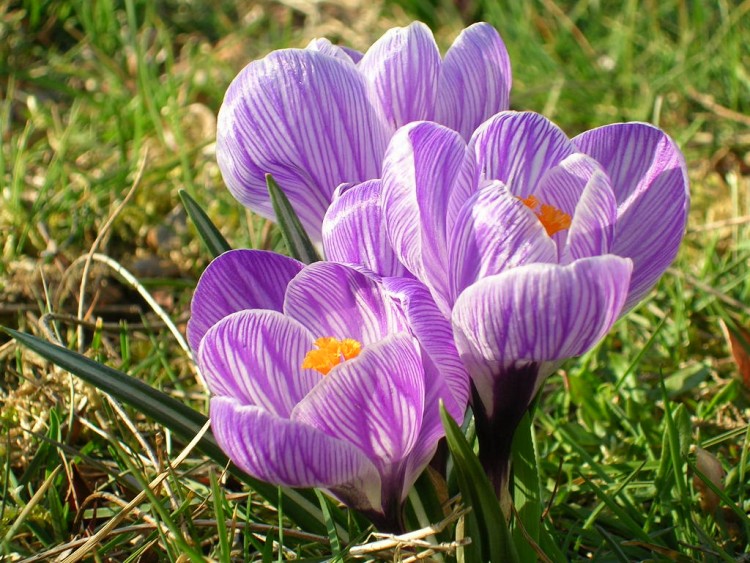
208, 232
299, 506
491, 540
297, 241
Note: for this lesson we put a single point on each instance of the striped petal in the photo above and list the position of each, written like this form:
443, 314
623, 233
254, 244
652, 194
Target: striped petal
650, 181
475, 79
238, 280
353, 230
446, 378
288, 453
422, 167
537, 313
403, 68
374, 401
592, 231
305, 117
332, 299
495, 231
518, 148
255, 357
324, 46
579, 187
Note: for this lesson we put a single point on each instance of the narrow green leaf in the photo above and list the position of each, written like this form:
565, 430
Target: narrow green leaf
299, 505
297, 241
491, 539
208, 232
333, 537
221, 524
526, 490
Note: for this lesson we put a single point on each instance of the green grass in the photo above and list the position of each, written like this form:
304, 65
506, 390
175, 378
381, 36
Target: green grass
91, 88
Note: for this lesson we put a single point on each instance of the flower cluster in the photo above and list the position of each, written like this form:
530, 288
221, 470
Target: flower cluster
470, 250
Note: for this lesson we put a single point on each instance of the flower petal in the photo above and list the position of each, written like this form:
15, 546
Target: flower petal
537, 313
446, 378
650, 181
475, 79
374, 401
332, 299
255, 357
238, 280
592, 231
403, 68
304, 117
423, 166
518, 148
324, 46
353, 230
284, 452
495, 231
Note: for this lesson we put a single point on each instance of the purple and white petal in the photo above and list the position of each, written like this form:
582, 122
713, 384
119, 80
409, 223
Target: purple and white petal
332, 299
518, 148
592, 230
256, 358
494, 232
650, 181
422, 166
353, 231
304, 117
537, 313
445, 375
324, 46
475, 80
403, 68
374, 401
238, 280
288, 453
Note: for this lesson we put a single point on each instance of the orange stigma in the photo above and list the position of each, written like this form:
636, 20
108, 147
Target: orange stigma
330, 353
552, 218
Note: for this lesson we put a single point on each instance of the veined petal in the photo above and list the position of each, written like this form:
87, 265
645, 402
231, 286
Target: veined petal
649, 178
238, 280
374, 401
445, 375
537, 313
518, 148
422, 166
288, 453
332, 299
304, 117
403, 68
353, 231
475, 81
592, 231
255, 357
495, 231
324, 46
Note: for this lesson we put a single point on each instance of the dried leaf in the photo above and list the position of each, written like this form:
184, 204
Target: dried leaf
738, 339
707, 464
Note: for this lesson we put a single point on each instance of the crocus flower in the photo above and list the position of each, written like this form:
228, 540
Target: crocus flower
325, 376
318, 117
531, 243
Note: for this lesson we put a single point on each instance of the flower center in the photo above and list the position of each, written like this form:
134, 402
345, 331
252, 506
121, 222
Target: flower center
331, 352
552, 218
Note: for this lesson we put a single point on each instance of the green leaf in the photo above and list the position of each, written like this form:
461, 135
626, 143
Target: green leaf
526, 491
299, 505
208, 232
297, 241
491, 540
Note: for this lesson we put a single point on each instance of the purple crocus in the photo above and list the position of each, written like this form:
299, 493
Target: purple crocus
318, 117
325, 376
531, 243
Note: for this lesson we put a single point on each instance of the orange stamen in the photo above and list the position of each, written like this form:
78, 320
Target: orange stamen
552, 218
330, 353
